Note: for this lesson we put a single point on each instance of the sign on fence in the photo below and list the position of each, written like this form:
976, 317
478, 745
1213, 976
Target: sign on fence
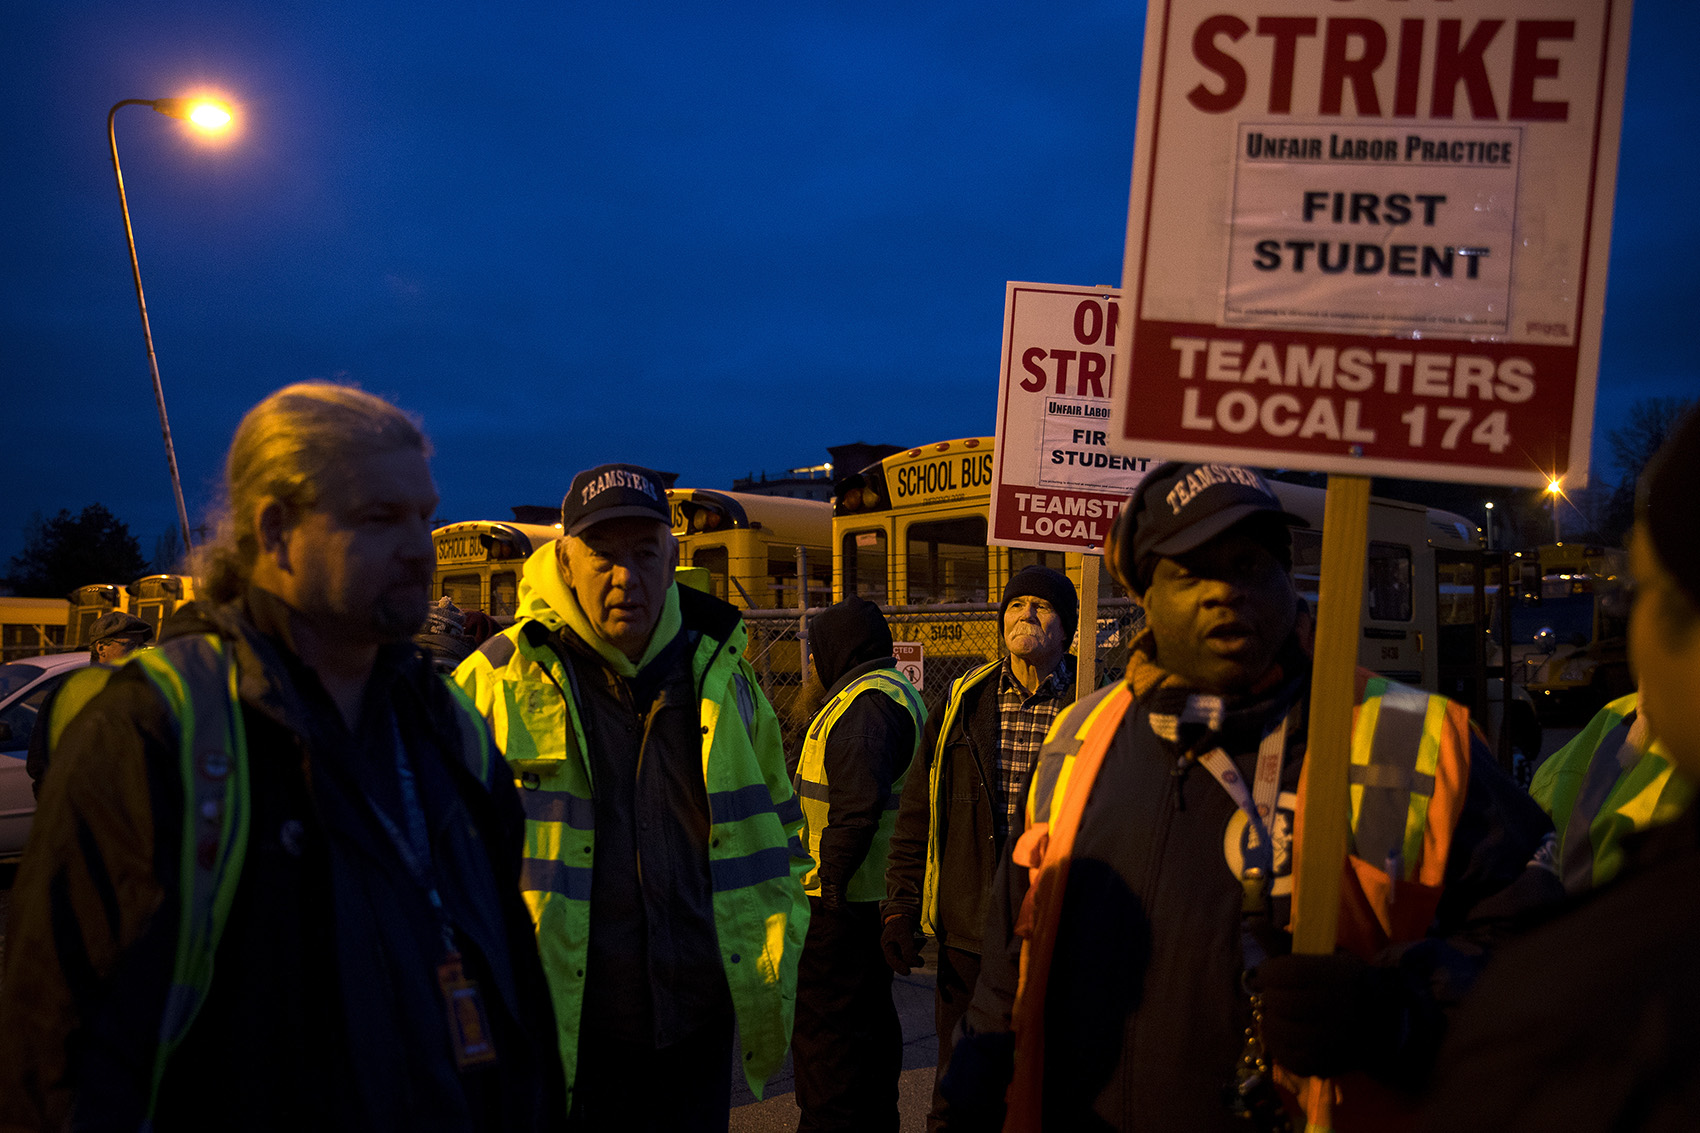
1371, 237
1056, 484
911, 662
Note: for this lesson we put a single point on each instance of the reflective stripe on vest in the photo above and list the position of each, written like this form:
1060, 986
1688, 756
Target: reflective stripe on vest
868, 882
1622, 782
198, 682
935, 808
73, 695
1397, 738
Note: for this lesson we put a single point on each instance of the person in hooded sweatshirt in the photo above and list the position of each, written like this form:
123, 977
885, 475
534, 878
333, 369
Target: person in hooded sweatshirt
661, 862
848, 1047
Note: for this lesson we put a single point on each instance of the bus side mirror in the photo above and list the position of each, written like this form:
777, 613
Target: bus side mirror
1546, 640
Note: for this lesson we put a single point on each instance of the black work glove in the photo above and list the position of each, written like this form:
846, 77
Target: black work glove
1324, 1016
901, 943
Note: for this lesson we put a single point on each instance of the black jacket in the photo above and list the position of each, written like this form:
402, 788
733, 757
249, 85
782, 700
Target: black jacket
969, 840
1590, 1021
870, 745
324, 1009
1144, 1014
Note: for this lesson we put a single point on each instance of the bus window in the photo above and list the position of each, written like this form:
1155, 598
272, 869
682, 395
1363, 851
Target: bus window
504, 594
1020, 558
864, 565
715, 561
464, 591
1307, 564
1389, 582
947, 561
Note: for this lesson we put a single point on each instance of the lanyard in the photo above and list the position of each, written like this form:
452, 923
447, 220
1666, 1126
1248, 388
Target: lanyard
1258, 803
413, 845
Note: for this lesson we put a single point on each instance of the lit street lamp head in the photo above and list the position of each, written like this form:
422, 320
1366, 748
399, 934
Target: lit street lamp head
206, 113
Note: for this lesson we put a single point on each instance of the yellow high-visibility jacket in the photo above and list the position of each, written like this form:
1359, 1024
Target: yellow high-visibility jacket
756, 860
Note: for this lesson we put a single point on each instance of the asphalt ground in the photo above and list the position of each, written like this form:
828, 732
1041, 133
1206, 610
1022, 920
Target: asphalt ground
913, 994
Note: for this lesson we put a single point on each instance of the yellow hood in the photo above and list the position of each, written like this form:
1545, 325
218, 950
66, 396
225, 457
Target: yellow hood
544, 597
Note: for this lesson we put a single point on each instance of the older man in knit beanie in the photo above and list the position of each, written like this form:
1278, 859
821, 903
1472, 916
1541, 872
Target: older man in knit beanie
961, 797
1588, 1023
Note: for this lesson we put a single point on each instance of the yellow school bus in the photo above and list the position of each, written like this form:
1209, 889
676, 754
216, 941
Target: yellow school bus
479, 562
88, 603
154, 597
30, 627
749, 545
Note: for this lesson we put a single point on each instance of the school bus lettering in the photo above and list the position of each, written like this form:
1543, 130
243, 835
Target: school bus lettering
944, 476
460, 548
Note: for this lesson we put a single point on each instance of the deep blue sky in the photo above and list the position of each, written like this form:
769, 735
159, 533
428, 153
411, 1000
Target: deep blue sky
710, 238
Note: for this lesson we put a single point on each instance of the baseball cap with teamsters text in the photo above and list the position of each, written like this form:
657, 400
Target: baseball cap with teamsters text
614, 491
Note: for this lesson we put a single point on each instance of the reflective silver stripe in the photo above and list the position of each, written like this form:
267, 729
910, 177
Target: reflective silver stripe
1381, 776
1390, 777
1604, 767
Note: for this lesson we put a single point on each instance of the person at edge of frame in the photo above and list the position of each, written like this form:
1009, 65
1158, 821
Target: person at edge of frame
1588, 1022
283, 783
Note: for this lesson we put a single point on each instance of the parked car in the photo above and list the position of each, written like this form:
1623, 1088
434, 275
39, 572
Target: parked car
23, 686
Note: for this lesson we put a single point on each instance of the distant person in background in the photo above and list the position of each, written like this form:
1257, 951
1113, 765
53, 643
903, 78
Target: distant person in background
847, 1047
1590, 1022
443, 637
113, 636
962, 796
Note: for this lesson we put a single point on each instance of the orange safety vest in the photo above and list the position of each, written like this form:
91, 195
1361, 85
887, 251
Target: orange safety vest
1410, 767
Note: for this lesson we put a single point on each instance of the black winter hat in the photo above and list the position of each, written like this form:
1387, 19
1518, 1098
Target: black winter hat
1053, 586
1665, 504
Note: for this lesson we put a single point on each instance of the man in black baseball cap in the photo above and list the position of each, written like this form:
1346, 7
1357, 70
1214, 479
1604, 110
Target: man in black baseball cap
630, 716
1153, 880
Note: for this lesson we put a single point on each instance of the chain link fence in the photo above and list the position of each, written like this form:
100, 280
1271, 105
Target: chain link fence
954, 640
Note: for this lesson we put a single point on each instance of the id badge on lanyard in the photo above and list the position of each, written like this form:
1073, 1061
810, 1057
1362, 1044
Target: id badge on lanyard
1258, 803
469, 1023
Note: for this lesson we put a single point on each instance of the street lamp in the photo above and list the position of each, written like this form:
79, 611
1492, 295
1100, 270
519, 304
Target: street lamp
205, 114
1489, 506
1554, 490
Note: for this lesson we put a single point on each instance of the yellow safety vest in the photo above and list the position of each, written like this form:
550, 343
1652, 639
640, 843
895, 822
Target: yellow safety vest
1601, 787
868, 882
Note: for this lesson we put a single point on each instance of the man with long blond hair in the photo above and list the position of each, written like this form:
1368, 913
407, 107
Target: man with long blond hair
273, 883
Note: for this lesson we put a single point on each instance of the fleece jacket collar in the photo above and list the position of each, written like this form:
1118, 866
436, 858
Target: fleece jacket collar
545, 597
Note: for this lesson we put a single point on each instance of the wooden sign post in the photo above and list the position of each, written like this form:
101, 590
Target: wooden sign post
1325, 808
1086, 678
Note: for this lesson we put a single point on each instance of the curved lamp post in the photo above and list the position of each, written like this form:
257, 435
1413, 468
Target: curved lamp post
207, 114
1555, 489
